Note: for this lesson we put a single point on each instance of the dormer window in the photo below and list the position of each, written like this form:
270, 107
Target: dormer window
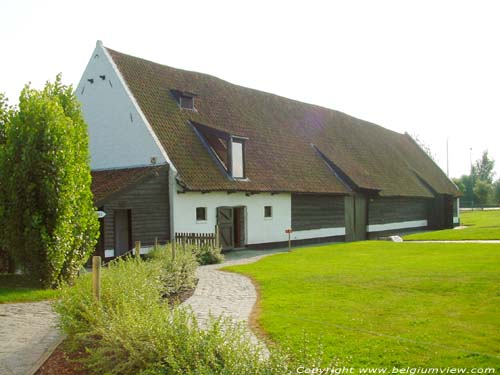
227, 149
238, 157
186, 102
184, 99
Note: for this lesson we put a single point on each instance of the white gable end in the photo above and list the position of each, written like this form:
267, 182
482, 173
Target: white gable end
119, 135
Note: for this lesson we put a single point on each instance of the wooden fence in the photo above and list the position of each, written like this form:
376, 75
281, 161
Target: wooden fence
198, 239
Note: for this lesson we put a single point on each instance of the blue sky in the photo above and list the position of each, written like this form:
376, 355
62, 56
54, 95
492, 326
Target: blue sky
430, 68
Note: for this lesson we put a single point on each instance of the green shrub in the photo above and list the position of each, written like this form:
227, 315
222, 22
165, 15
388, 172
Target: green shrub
131, 330
177, 274
208, 254
48, 222
124, 283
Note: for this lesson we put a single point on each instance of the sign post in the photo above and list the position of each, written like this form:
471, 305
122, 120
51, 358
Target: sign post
289, 232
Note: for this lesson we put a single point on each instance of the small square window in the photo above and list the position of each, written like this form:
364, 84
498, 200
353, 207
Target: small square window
186, 102
268, 212
201, 214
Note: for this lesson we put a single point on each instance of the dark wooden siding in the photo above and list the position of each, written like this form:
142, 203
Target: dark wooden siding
150, 211
394, 210
317, 211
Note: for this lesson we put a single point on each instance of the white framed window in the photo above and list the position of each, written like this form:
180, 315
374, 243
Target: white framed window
238, 158
268, 212
201, 214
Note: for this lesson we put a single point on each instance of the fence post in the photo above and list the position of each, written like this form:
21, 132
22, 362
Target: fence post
217, 240
96, 277
156, 243
137, 249
173, 242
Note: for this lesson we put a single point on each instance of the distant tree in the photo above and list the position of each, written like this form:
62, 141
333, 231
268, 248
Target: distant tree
49, 224
483, 192
483, 168
497, 192
466, 186
459, 182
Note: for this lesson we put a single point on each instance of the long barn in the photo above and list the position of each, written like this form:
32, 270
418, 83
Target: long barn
178, 151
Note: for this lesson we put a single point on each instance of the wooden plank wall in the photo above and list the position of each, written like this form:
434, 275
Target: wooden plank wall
395, 210
149, 202
314, 211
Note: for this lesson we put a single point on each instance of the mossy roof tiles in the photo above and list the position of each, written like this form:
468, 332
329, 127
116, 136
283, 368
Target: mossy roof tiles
281, 132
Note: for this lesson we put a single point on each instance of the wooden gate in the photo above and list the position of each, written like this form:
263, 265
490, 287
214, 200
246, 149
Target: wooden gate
225, 221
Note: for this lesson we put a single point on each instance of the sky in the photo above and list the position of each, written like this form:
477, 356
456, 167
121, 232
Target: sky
429, 68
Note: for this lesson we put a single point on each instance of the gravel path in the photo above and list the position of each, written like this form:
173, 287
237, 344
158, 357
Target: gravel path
27, 332
225, 293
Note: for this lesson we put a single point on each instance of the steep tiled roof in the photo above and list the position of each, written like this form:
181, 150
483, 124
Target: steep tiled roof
281, 133
106, 183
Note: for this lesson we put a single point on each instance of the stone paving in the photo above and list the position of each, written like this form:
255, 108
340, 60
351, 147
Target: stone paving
225, 293
27, 332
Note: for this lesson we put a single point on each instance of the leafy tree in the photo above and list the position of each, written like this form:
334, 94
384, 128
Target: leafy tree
483, 168
5, 113
49, 223
483, 192
497, 191
466, 186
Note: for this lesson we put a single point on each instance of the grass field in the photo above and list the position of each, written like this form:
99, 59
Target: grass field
16, 288
482, 225
385, 304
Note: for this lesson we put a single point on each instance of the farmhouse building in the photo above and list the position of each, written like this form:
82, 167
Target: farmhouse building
179, 151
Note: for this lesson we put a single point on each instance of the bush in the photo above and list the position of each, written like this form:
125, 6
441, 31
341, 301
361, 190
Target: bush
177, 274
208, 254
131, 330
48, 222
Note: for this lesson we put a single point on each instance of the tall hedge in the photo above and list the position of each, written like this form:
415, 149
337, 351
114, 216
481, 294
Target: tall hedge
6, 264
49, 224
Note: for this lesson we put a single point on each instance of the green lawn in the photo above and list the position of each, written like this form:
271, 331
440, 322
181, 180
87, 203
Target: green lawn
16, 288
483, 225
386, 304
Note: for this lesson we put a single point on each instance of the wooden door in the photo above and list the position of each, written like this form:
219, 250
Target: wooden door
349, 218
355, 218
360, 220
123, 233
225, 221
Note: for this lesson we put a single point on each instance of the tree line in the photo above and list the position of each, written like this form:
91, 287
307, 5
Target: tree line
478, 187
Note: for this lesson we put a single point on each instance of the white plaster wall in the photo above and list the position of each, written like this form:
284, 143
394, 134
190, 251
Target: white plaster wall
318, 233
394, 226
118, 135
258, 228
